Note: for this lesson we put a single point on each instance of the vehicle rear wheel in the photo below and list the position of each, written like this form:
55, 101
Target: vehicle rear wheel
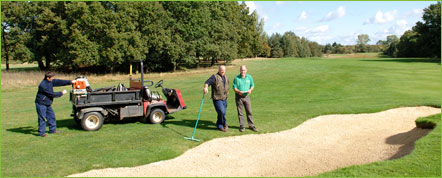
157, 116
92, 121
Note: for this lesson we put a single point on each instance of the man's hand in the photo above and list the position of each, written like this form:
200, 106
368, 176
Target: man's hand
64, 92
73, 81
206, 89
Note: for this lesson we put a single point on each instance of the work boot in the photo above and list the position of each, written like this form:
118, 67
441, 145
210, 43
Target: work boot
55, 132
253, 128
226, 128
44, 135
242, 129
222, 129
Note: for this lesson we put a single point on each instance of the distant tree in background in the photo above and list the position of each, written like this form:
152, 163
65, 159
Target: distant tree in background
423, 40
363, 39
391, 45
275, 46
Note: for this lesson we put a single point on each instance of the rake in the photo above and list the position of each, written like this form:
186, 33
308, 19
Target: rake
196, 124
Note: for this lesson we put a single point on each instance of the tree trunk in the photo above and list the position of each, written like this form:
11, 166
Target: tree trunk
6, 51
7, 62
48, 62
41, 66
213, 62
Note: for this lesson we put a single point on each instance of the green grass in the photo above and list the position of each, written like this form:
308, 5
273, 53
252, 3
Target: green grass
424, 161
20, 67
288, 92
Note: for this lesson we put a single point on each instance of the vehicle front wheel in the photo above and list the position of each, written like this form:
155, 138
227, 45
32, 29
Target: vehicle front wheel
92, 121
157, 116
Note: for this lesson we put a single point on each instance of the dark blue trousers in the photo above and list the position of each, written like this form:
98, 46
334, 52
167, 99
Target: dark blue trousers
44, 113
221, 108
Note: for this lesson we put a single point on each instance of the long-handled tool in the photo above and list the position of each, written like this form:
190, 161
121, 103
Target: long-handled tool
196, 124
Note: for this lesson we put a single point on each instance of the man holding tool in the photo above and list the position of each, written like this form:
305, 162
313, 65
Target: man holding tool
220, 91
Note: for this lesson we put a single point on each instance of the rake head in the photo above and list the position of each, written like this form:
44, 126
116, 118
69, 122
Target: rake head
193, 139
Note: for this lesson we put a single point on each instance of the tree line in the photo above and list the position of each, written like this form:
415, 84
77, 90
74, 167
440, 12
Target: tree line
290, 45
107, 36
423, 40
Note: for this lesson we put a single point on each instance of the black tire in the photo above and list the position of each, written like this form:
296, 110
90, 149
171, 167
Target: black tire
157, 116
92, 121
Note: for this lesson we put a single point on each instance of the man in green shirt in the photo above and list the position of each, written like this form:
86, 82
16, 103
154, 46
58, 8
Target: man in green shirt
243, 86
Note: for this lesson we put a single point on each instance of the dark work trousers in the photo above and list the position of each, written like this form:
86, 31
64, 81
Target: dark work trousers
221, 108
244, 102
45, 112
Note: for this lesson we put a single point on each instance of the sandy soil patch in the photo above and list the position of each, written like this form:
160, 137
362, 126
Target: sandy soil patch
318, 145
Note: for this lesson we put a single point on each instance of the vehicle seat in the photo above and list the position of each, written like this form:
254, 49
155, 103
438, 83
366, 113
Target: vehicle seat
150, 95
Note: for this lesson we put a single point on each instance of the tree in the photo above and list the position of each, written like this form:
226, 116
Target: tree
275, 46
408, 45
13, 37
315, 49
328, 48
429, 31
362, 42
391, 45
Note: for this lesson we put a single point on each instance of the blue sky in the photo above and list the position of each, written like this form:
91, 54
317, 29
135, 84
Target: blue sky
339, 21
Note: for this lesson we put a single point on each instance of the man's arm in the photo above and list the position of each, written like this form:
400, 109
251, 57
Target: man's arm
46, 91
250, 90
208, 82
58, 82
235, 87
252, 85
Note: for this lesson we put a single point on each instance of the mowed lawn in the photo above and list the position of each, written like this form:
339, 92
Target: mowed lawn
288, 92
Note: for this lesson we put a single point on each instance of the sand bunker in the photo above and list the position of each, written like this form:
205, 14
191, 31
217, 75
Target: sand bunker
318, 145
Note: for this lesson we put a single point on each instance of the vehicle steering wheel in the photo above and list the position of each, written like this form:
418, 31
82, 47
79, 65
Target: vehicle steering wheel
159, 84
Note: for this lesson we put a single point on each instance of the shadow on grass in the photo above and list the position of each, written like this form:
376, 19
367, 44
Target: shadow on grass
70, 124
408, 60
205, 125
24, 130
407, 140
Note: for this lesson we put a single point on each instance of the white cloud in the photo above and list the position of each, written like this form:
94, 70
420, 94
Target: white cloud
277, 25
280, 3
301, 28
318, 34
397, 29
401, 23
320, 29
303, 16
416, 13
251, 5
338, 13
265, 18
310, 31
381, 18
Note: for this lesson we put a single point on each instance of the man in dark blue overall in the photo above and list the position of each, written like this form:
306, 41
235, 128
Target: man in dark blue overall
43, 101
220, 91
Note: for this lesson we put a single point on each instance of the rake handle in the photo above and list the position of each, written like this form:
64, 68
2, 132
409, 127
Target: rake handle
196, 124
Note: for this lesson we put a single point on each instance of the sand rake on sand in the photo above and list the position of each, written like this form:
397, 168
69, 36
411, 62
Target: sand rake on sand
196, 124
